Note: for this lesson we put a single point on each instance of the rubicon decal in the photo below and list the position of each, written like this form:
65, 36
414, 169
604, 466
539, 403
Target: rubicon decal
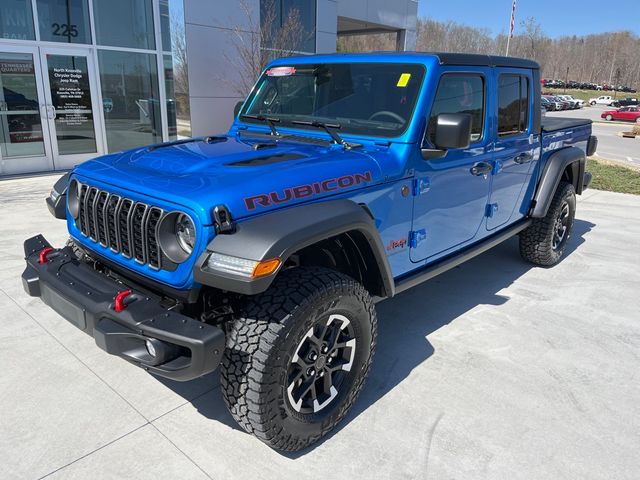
307, 190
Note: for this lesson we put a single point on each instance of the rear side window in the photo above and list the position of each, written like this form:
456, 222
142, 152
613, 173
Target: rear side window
459, 93
513, 105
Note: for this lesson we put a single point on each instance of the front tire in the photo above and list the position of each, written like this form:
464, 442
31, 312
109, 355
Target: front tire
609, 118
543, 242
298, 357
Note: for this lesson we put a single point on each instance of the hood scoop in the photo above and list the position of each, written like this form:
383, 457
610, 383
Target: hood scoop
267, 160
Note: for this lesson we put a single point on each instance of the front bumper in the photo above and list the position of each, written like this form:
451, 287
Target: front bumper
184, 348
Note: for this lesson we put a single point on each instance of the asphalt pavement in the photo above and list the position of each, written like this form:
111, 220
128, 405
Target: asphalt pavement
610, 145
493, 370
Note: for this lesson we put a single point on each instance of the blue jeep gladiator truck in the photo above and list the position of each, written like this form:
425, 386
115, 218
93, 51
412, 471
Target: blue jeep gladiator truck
344, 180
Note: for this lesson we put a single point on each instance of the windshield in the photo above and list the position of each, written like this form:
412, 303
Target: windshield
371, 99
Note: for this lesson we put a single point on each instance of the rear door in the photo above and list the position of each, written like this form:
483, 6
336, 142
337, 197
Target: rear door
516, 147
450, 195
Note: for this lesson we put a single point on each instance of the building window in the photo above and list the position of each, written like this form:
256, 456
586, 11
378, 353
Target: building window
288, 25
130, 99
513, 105
170, 92
124, 23
175, 68
165, 24
64, 21
16, 20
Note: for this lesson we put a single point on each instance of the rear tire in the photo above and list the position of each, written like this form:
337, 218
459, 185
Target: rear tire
298, 357
638, 120
609, 118
543, 242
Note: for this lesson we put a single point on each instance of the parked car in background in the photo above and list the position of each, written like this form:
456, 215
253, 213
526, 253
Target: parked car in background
565, 105
601, 100
627, 114
573, 102
547, 104
554, 102
625, 102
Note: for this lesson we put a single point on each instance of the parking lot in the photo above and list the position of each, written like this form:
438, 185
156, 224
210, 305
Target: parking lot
610, 145
492, 370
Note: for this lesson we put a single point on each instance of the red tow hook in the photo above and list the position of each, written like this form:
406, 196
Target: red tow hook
121, 300
42, 258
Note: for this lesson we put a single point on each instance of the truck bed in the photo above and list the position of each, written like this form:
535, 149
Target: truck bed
553, 124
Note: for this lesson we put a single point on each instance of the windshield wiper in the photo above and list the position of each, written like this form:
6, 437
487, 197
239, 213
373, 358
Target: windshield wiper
330, 128
271, 121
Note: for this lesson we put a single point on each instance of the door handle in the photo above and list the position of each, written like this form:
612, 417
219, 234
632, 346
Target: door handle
481, 168
50, 111
523, 158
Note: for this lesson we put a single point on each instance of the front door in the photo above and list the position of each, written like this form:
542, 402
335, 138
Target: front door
48, 119
70, 112
451, 192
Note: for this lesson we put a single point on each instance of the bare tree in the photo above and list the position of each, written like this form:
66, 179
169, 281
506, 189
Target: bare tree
262, 40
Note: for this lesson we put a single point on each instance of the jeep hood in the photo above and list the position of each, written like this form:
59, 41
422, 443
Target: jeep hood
247, 175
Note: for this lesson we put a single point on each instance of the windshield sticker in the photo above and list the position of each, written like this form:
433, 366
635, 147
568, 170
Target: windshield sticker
281, 71
403, 80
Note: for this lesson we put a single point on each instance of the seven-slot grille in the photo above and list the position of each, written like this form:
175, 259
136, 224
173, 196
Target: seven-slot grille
124, 225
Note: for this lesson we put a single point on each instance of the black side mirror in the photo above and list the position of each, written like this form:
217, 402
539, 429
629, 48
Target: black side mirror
453, 130
236, 109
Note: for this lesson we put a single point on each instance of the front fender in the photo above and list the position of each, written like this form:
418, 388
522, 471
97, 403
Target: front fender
281, 233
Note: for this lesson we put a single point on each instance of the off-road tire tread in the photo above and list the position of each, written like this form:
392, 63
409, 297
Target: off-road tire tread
249, 385
536, 239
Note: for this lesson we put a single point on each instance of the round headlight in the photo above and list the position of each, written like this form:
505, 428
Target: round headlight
185, 232
176, 235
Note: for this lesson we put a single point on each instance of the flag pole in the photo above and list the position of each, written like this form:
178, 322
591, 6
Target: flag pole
511, 25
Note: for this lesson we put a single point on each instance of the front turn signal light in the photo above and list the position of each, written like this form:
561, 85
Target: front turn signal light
266, 267
242, 266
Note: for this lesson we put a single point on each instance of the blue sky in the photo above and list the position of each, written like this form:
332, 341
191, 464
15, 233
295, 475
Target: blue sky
556, 17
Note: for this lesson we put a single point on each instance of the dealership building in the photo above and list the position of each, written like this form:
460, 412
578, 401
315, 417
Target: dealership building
82, 78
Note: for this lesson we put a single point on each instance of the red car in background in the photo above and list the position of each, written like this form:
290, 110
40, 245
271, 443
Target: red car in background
629, 114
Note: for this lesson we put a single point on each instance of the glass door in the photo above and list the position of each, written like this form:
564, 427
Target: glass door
24, 132
70, 92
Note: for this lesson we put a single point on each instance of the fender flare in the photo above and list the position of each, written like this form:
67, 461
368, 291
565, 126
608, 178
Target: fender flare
557, 163
281, 233
57, 205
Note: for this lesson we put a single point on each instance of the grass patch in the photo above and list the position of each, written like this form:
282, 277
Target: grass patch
613, 177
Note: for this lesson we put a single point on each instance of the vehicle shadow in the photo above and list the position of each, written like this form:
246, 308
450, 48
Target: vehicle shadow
406, 320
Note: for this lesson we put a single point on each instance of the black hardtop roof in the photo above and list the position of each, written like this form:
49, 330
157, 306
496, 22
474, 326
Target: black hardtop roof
444, 58
484, 60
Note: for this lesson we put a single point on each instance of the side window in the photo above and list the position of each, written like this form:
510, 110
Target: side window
459, 93
513, 105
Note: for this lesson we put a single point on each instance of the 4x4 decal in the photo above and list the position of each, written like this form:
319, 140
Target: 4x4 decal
307, 190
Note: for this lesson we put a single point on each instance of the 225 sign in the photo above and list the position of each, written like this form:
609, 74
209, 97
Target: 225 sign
64, 30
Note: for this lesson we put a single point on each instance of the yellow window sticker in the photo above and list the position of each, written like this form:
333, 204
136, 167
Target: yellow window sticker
403, 80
